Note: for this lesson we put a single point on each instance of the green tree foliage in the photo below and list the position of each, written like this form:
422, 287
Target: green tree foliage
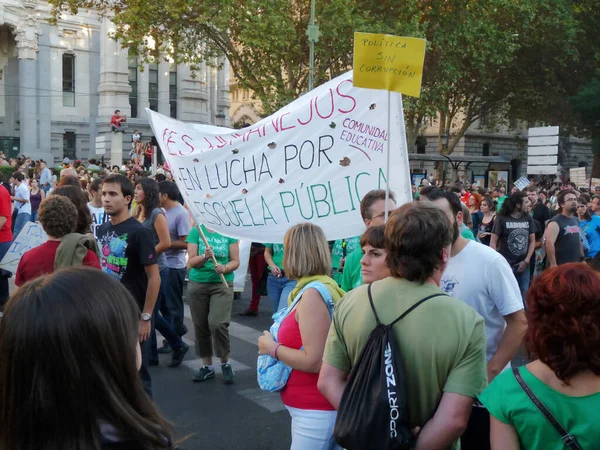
523, 58
586, 105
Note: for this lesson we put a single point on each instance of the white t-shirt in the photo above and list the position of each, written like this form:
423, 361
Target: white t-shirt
23, 192
98, 218
482, 278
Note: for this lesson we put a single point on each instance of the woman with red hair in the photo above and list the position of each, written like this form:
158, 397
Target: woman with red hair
563, 338
474, 204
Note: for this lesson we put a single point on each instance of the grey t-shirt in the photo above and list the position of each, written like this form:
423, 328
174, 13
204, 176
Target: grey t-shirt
568, 241
513, 237
179, 225
149, 223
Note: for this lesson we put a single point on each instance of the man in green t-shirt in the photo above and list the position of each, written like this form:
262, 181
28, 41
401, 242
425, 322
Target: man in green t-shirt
372, 210
499, 196
442, 342
339, 253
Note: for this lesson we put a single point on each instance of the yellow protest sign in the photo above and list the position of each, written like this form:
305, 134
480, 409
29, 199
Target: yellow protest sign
394, 63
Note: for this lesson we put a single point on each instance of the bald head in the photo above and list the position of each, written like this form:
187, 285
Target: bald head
68, 172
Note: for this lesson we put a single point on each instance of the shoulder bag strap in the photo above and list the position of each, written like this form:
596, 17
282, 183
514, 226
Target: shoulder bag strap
413, 307
567, 438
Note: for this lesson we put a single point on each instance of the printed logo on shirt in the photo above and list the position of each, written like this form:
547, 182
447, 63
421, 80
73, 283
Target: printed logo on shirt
518, 241
448, 285
113, 261
571, 229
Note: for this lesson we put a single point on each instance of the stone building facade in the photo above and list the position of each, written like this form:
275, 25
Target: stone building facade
508, 141
61, 84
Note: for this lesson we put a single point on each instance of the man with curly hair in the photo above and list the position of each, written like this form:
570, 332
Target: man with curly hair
58, 217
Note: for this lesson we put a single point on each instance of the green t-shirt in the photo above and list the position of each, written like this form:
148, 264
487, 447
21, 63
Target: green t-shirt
352, 276
220, 245
466, 232
442, 342
500, 203
337, 253
277, 252
506, 401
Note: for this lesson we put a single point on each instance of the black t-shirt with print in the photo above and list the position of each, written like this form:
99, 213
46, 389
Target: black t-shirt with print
513, 236
126, 248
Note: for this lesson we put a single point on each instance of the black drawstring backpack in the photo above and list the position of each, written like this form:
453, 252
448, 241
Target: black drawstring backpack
373, 412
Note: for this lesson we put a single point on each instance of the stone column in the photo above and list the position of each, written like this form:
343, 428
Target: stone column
223, 102
163, 87
26, 36
143, 102
192, 95
114, 88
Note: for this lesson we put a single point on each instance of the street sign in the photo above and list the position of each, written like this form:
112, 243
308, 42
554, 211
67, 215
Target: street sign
542, 151
550, 160
542, 140
541, 170
543, 131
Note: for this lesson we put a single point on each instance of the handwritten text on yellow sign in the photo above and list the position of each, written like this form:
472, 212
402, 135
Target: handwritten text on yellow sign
394, 63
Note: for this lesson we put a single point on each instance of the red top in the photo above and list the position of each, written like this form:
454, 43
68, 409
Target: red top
465, 198
301, 389
5, 211
116, 120
40, 261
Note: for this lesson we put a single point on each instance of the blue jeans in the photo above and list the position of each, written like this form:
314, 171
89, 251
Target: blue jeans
523, 279
160, 323
144, 372
278, 290
34, 217
4, 276
21, 220
172, 308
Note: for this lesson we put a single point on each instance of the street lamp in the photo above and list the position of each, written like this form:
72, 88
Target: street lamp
313, 37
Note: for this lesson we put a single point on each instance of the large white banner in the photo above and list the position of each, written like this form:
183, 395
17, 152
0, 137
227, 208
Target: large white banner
312, 161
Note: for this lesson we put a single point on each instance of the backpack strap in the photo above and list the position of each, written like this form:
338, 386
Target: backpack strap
408, 311
372, 305
568, 439
413, 307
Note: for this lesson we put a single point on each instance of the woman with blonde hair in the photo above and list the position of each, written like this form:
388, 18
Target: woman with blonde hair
302, 336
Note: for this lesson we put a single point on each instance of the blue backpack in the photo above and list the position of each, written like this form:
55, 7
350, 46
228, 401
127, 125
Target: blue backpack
271, 373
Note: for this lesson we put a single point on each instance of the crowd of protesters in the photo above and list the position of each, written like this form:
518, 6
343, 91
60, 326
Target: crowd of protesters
499, 271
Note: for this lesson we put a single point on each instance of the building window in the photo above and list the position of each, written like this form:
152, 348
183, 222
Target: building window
133, 82
153, 86
69, 150
68, 79
173, 91
483, 119
421, 145
486, 149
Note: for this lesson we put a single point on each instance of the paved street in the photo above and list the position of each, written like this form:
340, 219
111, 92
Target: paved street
215, 416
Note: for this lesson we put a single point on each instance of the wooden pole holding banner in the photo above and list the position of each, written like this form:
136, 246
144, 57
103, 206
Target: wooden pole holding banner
387, 164
214, 260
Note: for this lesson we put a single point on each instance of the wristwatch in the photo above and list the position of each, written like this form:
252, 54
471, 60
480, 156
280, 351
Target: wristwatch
146, 317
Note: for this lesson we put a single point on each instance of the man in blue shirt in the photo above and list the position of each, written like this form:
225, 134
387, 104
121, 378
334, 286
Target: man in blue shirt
45, 177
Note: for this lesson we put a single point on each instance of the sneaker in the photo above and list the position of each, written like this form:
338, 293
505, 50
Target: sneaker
204, 374
178, 355
228, 374
166, 348
248, 312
